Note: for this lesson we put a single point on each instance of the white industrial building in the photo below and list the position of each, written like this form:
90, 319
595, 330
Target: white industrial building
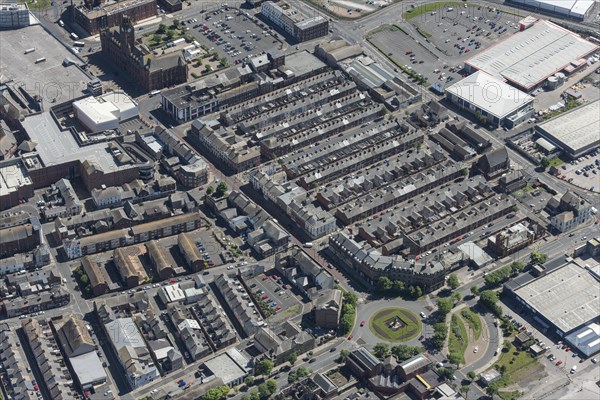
15, 15
586, 339
105, 112
576, 9
528, 58
575, 132
492, 99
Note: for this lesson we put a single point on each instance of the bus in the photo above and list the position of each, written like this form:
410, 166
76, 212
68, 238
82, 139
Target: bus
74, 36
78, 44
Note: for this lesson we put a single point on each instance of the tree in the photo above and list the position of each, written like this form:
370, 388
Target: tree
156, 38
272, 386
544, 163
264, 367
491, 390
210, 190
456, 297
465, 390
384, 284
344, 355
446, 372
455, 359
216, 393
488, 299
350, 298
381, 350
254, 395
538, 257
453, 281
474, 290
398, 286
265, 390
517, 267
440, 333
162, 28
170, 34
221, 190
403, 352
84, 279
444, 305
293, 357
472, 375
176, 23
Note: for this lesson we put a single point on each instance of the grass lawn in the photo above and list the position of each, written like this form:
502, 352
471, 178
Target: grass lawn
473, 320
556, 162
379, 324
429, 7
458, 339
37, 4
516, 364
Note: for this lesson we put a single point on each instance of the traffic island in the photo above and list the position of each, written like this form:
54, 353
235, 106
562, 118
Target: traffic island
395, 324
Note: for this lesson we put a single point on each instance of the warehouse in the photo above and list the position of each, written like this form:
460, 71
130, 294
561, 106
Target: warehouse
563, 300
491, 99
575, 9
529, 57
574, 132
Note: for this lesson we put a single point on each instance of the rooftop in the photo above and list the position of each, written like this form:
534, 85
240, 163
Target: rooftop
228, 366
576, 129
490, 94
88, 368
56, 146
50, 80
530, 56
567, 296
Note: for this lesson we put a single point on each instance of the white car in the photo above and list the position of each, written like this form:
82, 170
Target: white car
423, 315
476, 349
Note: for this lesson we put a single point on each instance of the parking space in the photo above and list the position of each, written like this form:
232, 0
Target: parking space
276, 294
210, 248
583, 172
233, 34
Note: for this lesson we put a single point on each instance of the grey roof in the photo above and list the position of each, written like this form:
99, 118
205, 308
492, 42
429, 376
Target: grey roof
368, 360
88, 368
124, 332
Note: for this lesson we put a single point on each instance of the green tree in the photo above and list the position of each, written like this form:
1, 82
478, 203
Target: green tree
456, 297
381, 350
403, 352
176, 23
162, 29
453, 281
170, 34
384, 284
444, 305
254, 395
156, 38
465, 390
517, 267
293, 357
398, 287
492, 390
344, 355
544, 163
350, 298
210, 190
454, 358
221, 190
538, 257
440, 333
216, 393
264, 367
446, 372
472, 375
272, 386
249, 381
489, 299
474, 290
84, 279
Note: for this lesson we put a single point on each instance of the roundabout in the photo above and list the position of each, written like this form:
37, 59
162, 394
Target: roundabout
395, 324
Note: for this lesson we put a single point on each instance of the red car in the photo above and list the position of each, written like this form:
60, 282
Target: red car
362, 323
558, 362
275, 277
568, 349
350, 337
265, 297
277, 308
265, 278
173, 281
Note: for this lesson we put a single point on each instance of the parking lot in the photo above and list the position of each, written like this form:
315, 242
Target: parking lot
273, 290
233, 34
583, 172
442, 40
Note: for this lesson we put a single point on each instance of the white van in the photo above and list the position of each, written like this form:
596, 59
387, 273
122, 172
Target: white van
308, 245
61, 24
154, 92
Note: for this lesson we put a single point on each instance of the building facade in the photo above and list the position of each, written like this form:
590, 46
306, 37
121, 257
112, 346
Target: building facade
95, 15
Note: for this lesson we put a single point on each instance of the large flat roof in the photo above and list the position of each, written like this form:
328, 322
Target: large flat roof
56, 146
490, 94
574, 7
575, 130
228, 366
530, 56
49, 79
88, 368
567, 296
